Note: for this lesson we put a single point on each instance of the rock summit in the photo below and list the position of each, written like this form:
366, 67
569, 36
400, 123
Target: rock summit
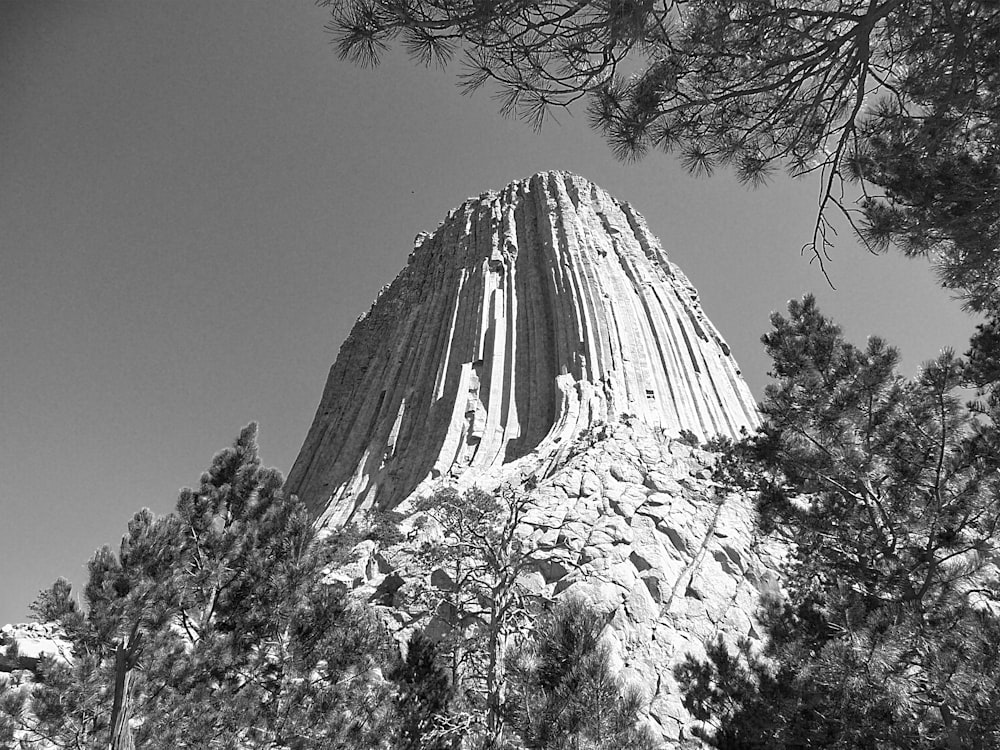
531, 314
540, 337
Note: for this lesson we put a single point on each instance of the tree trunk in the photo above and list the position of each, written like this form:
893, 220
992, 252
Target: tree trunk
121, 735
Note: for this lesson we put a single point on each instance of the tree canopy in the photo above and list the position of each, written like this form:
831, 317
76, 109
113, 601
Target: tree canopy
564, 691
211, 628
888, 490
475, 599
898, 97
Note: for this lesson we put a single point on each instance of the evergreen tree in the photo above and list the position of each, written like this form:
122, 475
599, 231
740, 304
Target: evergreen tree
11, 708
475, 597
424, 697
54, 604
889, 492
563, 691
89, 703
983, 369
211, 628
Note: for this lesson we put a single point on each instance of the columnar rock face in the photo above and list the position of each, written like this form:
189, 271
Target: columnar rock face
540, 339
530, 315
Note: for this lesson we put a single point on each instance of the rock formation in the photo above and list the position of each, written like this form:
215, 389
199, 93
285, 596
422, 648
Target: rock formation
529, 315
22, 646
542, 334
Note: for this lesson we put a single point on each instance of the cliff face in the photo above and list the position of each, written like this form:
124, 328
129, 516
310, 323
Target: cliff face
528, 316
541, 339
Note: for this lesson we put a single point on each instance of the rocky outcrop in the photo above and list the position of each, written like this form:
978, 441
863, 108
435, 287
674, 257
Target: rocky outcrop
529, 315
632, 521
541, 338
22, 646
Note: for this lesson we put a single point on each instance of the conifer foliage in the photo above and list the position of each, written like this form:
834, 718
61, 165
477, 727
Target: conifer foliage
424, 697
897, 97
888, 490
564, 693
475, 600
210, 628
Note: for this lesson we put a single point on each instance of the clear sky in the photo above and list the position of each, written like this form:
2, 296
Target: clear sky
197, 200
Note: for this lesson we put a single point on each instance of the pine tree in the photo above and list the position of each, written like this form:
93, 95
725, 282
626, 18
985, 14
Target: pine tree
564, 693
211, 628
424, 697
889, 492
475, 597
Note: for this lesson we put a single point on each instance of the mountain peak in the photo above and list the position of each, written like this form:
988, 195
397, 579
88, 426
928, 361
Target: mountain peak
531, 314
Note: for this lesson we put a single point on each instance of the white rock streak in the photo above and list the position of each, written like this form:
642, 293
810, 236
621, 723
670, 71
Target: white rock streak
529, 315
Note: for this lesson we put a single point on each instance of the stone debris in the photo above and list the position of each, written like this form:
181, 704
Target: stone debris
23, 645
671, 571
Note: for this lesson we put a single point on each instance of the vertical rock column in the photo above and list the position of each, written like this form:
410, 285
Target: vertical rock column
529, 315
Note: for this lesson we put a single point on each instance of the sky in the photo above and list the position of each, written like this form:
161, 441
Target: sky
197, 200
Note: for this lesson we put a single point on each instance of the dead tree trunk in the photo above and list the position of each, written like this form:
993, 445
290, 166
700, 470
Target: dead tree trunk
125, 658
